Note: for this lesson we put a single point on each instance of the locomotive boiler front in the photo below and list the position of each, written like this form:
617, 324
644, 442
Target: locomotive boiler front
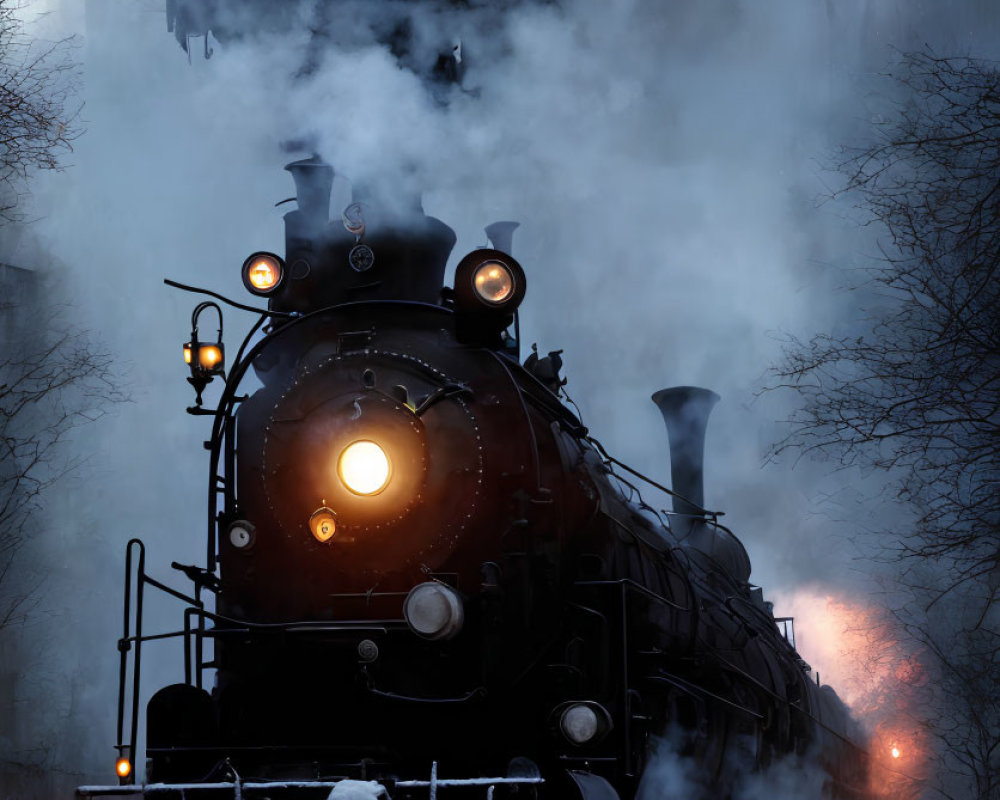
388, 438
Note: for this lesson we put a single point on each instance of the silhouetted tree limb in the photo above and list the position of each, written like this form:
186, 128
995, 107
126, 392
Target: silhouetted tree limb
38, 117
916, 392
48, 387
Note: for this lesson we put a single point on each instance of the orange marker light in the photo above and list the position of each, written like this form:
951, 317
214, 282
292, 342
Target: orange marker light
123, 767
323, 524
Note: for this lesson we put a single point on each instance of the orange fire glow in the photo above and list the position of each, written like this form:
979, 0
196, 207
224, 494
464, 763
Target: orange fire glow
857, 650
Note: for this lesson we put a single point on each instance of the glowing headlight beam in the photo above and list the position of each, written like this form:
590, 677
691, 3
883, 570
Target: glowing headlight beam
494, 282
364, 468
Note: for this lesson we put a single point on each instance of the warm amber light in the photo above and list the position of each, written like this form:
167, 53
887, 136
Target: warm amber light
187, 353
323, 524
494, 282
123, 767
364, 468
209, 356
895, 752
263, 274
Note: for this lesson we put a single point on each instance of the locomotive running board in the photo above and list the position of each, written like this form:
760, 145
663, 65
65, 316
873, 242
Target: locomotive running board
238, 787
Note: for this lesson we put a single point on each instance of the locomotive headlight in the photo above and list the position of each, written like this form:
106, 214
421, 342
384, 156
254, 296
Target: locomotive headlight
364, 468
263, 273
123, 767
494, 282
579, 723
434, 611
489, 286
582, 722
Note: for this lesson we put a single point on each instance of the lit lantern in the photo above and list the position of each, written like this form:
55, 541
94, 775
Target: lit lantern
205, 359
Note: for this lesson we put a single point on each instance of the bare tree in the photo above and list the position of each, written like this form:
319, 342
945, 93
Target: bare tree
927, 689
965, 699
50, 383
38, 115
916, 392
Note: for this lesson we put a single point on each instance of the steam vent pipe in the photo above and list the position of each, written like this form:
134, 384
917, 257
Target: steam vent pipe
685, 409
501, 236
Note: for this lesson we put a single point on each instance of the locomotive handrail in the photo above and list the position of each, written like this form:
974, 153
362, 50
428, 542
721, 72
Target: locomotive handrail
631, 584
711, 515
694, 689
233, 303
128, 639
478, 692
238, 786
784, 701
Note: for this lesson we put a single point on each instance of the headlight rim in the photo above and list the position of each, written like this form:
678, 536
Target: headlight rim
279, 263
467, 297
455, 621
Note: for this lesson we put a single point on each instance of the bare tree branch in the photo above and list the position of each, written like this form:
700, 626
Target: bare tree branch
38, 113
916, 392
48, 387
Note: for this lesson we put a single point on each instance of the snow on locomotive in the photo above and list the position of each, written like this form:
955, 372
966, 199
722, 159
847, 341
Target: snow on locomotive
422, 573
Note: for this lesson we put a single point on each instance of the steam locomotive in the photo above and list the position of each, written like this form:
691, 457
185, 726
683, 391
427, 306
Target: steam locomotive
424, 575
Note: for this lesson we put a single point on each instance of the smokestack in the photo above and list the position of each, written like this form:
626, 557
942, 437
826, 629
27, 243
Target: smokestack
685, 409
501, 235
313, 183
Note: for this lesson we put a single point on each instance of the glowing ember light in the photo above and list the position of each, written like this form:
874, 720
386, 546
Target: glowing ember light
863, 655
364, 468
263, 274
